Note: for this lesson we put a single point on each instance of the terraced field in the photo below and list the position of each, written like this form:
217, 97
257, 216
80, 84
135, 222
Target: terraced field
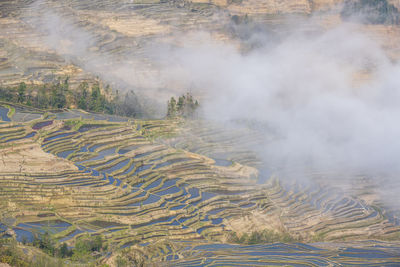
145, 188
120, 30
176, 192
129, 34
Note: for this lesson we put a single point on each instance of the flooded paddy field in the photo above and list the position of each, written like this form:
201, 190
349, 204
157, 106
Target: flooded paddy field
184, 191
297, 254
145, 189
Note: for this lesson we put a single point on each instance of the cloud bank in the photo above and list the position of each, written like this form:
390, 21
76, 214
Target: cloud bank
325, 100
328, 101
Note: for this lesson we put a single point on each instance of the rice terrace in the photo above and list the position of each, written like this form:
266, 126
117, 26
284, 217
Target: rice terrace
199, 133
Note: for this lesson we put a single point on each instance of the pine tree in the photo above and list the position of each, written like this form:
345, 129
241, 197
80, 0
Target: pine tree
82, 96
64, 250
95, 102
42, 99
61, 100
181, 104
171, 108
21, 92
29, 101
185, 107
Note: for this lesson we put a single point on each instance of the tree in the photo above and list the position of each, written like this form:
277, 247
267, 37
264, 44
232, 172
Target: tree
21, 92
96, 99
45, 243
97, 243
29, 99
185, 107
171, 108
181, 103
58, 94
129, 106
371, 11
41, 98
64, 251
6, 94
82, 95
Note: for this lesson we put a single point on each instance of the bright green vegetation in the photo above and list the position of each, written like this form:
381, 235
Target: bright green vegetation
11, 111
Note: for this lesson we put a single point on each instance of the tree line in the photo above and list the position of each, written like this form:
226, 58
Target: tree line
371, 12
260, 237
186, 107
86, 247
59, 95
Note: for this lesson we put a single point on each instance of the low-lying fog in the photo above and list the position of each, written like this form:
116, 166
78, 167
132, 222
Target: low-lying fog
326, 100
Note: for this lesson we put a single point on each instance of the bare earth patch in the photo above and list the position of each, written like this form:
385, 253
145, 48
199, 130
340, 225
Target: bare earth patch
31, 158
256, 221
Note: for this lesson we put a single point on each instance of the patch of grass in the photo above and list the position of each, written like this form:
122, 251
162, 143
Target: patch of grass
11, 111
75, 124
